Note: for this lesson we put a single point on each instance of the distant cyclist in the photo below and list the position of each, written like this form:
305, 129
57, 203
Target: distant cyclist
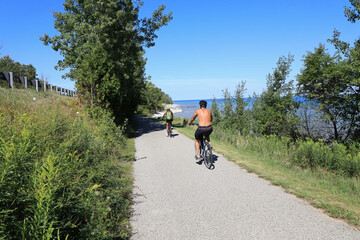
205, 128
169, 118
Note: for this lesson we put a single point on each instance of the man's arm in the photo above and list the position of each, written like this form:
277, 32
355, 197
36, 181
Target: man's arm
193, 117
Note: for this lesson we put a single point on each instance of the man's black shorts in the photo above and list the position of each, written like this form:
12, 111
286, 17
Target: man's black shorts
169, 121
203, 131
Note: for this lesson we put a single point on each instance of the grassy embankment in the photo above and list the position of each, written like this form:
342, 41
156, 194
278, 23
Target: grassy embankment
63, 174
288, 166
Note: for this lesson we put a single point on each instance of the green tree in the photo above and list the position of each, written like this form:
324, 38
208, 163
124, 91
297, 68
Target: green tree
274, 110
166, 98
102, 44
215, 112
353, 14
227, 111
9, 65
241, 120
153, 98
350, 75
326, 80
351, 67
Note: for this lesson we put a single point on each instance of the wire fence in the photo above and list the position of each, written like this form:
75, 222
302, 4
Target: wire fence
22, 82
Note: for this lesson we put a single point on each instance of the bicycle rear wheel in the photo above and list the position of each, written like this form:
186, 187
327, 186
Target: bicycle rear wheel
208, 158
170, 131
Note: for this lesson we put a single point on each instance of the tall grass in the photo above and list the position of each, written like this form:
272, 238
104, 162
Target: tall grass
338, 158
63, 174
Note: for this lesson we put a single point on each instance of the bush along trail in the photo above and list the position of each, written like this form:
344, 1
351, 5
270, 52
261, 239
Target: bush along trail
64, 174
65, 169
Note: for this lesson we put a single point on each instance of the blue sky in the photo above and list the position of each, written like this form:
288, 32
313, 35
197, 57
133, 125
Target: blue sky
207, 47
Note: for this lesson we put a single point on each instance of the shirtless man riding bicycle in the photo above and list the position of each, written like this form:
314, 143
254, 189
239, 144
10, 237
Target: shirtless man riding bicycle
205, 128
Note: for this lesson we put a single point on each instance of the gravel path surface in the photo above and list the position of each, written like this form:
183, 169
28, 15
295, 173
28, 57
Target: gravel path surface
175, 198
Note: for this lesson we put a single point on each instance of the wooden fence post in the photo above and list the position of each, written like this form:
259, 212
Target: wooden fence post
11, 80
47, 87
37, 85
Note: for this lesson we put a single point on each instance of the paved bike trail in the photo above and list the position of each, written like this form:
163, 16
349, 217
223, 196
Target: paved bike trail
175, 198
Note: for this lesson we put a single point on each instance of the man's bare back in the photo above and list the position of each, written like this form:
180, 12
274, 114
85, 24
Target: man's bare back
204, 115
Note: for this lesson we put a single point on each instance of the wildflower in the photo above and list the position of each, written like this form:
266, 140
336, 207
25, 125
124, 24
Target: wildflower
77, 112
97, 193
34, 98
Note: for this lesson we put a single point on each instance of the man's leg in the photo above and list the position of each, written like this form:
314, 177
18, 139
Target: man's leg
167, 128
197, 147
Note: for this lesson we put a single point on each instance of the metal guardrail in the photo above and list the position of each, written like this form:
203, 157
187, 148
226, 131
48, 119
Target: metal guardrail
9, 76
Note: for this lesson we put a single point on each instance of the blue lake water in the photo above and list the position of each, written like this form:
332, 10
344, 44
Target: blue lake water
319, 127
189, 106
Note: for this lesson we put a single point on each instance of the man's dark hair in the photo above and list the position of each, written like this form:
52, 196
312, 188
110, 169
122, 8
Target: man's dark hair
203, 103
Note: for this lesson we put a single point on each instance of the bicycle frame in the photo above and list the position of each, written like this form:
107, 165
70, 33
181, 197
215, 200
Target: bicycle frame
206, 158
170, 130
205, 154
202, 147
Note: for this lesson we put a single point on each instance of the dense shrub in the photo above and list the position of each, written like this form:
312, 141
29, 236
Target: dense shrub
337, 158
63, 174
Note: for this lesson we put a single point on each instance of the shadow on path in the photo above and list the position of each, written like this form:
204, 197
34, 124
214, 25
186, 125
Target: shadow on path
147, 125
215, 158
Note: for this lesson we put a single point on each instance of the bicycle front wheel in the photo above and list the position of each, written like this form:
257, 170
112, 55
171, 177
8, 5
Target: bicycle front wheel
208, 157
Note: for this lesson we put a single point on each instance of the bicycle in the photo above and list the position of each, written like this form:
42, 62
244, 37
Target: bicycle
170, 128
205, 152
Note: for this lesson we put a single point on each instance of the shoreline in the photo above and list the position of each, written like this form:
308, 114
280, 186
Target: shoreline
175, 108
